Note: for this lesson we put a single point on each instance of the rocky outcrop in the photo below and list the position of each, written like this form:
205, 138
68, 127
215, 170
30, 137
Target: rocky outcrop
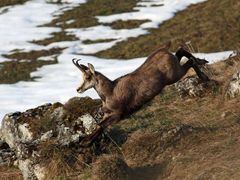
7, 155
28, 137
234, 86
195, 87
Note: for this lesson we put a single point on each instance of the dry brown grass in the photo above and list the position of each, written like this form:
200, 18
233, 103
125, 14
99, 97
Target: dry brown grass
85, 14
63, 165
56, 37
79, 106
14, 71
10, 173
110, 167
32, 55
129, 24
23, 63
209, 150
11, 2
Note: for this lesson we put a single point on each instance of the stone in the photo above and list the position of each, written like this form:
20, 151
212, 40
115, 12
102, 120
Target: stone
39, 172
24, 137
9, 131
234, 86
26, 166
7, 155
46, 136
24, 132
195, 87
89, 123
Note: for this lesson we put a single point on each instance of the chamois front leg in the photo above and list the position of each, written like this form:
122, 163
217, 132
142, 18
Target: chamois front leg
108, 119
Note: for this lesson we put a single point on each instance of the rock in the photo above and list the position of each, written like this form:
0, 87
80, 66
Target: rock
36, 134
89, 123
46, 136
67, 135
7, 155
39, 172
9, 131
25, 134
194, 87
234, 86
26, 166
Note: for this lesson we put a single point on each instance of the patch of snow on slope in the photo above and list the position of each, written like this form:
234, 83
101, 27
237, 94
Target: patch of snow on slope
59, 81
20, 25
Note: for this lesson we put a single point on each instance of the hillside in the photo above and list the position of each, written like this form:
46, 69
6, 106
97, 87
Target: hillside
210, 26
170, 138
176, 136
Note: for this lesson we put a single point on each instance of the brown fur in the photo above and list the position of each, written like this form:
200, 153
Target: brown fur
128, 93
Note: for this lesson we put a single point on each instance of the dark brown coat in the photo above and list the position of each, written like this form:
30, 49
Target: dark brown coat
130, 92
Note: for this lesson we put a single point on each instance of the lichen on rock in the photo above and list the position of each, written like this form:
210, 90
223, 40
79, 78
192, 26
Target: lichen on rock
195, 87
234, 86
38, 134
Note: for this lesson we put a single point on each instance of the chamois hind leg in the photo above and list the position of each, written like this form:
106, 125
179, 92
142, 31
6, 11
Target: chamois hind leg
200, 74
182, 52
192, 62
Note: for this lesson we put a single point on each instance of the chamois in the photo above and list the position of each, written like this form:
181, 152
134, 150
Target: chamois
127, 94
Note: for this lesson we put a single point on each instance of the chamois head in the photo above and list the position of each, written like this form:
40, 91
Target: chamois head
89, 78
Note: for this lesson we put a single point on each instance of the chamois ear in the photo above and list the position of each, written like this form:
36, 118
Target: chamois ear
91, 68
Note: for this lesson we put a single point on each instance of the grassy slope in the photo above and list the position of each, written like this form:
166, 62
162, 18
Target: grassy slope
18, 70
15, 71
213, 149
11, 2
210, 26
84, 15
10, 173
209, 151
215, 28
129, 24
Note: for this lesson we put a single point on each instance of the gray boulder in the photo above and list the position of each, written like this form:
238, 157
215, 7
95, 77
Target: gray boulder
24, 137
234, 86
195, 87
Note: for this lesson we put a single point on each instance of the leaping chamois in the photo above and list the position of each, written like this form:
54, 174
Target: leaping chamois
127, 94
